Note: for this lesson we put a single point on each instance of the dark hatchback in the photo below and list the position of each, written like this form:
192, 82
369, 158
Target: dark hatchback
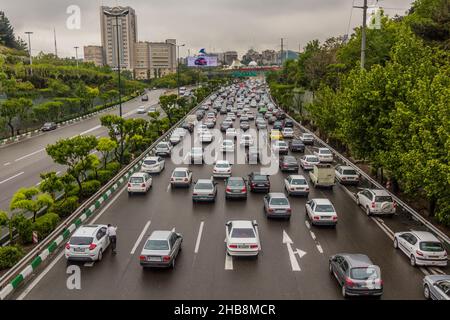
278, 125
48, 126
289, 163
258, 182
288, 123
297, 145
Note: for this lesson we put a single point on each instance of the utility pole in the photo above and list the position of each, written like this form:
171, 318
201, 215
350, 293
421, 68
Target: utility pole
76, 55
363, 34
29, 33
178, 67
54, 36
281, 55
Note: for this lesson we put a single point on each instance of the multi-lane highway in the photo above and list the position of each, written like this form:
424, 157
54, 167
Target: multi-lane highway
22, 162
204, 271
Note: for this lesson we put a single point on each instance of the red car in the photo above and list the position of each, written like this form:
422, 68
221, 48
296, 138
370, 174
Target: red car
200, 61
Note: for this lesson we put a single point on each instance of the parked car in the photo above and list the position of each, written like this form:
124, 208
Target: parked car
222, 169
287, 132
296, 185
161, 249
436, 287
375, 201
346, 175
152, 109
356, 274
307, 138
48, 126
242, 238
322, 175
139, 182
259, 182
163, 149
276, 205
422, 248
204, 190
153, 164
321, 212
324, 155
88, 243
181, 177
296, 145
235, 187
288, 163
307, 162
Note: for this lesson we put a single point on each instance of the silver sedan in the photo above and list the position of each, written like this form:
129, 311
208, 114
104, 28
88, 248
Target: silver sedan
161, 249
277, 205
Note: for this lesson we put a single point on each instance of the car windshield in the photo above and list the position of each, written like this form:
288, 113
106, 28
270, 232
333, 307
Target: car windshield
149, 162
203, 186
312, 159
162, 146
235, 183
431, 246
307, 136
324, 208
298, 182
279, 201
349, 172
242, 233
136, 179
383, 199
222, 165
325, 152
290, 160
260, 178
81, 241
364, 273
179, 174
157, 245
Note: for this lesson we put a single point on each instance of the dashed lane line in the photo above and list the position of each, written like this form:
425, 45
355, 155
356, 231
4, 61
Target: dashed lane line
139, 239
10, 178
199, 236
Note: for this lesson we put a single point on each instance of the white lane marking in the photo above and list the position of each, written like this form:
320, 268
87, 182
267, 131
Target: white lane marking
89, 264
7, 164
168, 187
10, 178
384, 228
313, 235
199, 237
173, 230
90, 130
139, 239
307, 224
228, 262
436, 270
109, 204
29, 155
288, 241
40, 277
424, 271
319, 247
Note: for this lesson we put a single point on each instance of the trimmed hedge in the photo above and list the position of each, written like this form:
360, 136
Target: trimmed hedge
24, 228
65, 207
45, 224
90, 188
9, 256
114, 167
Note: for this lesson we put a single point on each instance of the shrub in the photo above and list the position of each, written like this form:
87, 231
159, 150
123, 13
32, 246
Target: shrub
9, 256
65, 207
24, 228
45, 224
114, 167
90, 188
104, 176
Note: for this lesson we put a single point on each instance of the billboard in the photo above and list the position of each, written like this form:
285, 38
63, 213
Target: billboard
202, 61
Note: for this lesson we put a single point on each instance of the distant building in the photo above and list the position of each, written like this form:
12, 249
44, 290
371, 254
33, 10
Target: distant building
229, 57
142, 60
127, 36
252, 55
269, 57
94, 54
287, 55
163, 59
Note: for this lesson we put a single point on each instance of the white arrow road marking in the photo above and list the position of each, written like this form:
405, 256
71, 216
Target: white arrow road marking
10, 178
199, 237
168, 187
300, 253
173, 230
138, 241
228, 262
288, 242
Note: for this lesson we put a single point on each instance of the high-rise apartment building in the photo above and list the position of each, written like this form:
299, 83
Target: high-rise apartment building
93, 54
142, 60
125, 34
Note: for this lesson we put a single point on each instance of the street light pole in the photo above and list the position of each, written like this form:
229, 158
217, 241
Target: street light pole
363, 34
29, 33
178, 67
76, 55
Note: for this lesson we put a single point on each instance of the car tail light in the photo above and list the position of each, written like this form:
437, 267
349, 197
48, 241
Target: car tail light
92, 246
253, 184
373, 204
253, 246
67, 246
419, 253
380, 282
270, 210
166, 258
316, 218
186, 179
143, 185
334, 218
244, 189
129, 184
228, 189
394, 204
233, 246
142, 258
289, 210
195, 194
306, 189
349, 282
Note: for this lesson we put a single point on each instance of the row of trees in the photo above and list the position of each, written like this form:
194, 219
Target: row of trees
395, 113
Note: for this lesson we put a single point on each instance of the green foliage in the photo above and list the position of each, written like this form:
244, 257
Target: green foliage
90, 188
14, 109
9, 256
114, 167
30, 200
45, 224
104, 176
65, 207
51, 184
105, 146
24, 228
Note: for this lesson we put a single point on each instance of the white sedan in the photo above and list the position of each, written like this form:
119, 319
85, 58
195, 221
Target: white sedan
242, 238
296, 185
206, 137
287, 133
231, 133
227, 146
222, 169
141, 109
153, 165
139, 182
321, 212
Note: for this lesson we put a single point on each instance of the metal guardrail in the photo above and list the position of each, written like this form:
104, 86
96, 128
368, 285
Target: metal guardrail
63, 230
441, 235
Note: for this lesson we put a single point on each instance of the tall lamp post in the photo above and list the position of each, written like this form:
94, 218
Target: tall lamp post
117, 13
76, 55
29, 33
178, 66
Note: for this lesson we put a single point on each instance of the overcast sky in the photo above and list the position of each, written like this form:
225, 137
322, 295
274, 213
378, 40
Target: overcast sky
217, 25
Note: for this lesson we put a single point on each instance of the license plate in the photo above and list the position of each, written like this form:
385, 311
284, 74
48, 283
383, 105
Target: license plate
78, 249
136, 184
280, 211
260, 185
243, 246
153, 259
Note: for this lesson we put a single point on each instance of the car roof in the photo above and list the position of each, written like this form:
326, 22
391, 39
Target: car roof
346, 167
425, 236
276, 195
88, 230
379, 192
138, 174
160, 235
321, 201
242, 223
357, 260
180, 169
223, 161
204, 181
323, 149
297, 176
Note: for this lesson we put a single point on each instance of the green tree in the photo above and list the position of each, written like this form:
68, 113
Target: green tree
105, 146
30, 200
51, 184
14, 108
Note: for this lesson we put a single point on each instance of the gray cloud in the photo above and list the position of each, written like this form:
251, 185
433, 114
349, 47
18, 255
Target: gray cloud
213, 24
